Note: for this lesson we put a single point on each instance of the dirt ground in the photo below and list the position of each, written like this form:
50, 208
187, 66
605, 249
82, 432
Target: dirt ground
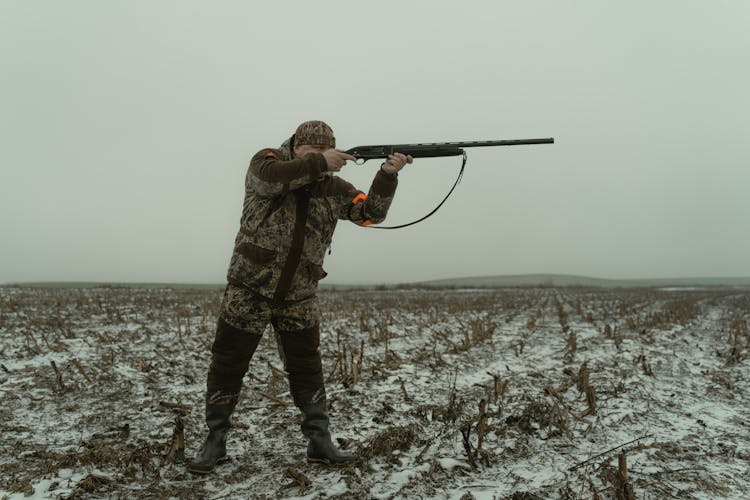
515, 393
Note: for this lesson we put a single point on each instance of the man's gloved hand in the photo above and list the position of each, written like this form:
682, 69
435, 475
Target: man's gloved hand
396, 162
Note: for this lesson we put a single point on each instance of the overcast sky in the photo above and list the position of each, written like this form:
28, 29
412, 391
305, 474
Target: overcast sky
126, 130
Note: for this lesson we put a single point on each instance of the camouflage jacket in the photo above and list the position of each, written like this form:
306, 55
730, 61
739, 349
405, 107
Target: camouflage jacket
288, 217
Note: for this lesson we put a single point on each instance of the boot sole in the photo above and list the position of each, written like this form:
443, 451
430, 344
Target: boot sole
208, 471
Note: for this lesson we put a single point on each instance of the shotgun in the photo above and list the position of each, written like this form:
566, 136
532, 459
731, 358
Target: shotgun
433, 149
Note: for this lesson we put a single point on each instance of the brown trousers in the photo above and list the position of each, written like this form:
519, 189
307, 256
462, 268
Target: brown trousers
243, 319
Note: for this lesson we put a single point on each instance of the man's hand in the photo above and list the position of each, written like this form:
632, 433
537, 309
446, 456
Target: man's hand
396, 162
336, 159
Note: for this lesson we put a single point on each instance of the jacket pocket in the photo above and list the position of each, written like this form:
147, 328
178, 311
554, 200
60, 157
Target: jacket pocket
256, 254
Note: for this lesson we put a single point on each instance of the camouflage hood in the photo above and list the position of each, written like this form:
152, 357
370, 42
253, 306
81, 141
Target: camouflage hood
285, 150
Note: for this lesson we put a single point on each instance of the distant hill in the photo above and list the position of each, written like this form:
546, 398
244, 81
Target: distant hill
572, 280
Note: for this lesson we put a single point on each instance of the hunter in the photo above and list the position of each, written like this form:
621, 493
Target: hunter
292, 204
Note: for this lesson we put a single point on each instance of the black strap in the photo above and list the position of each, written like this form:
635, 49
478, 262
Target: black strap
458, 179
302, 196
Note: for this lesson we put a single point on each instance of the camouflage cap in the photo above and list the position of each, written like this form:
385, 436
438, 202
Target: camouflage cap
314, 133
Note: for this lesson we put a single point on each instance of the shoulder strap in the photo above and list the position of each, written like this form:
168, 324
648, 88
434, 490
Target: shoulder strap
458, 179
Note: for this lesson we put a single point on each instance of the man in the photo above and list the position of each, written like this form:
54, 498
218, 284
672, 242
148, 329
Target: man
292, 203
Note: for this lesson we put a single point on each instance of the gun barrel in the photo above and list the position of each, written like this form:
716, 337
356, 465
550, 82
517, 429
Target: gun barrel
478, 144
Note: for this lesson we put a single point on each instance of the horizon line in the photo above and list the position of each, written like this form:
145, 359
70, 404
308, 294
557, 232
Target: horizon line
435, 281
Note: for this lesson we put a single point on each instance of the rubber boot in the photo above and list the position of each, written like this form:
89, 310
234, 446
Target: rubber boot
214, 450
315, 428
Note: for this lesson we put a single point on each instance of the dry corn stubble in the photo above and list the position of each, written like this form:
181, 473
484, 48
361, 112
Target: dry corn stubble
146, 347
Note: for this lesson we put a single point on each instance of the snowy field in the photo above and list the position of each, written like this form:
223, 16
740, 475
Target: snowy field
516, 393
